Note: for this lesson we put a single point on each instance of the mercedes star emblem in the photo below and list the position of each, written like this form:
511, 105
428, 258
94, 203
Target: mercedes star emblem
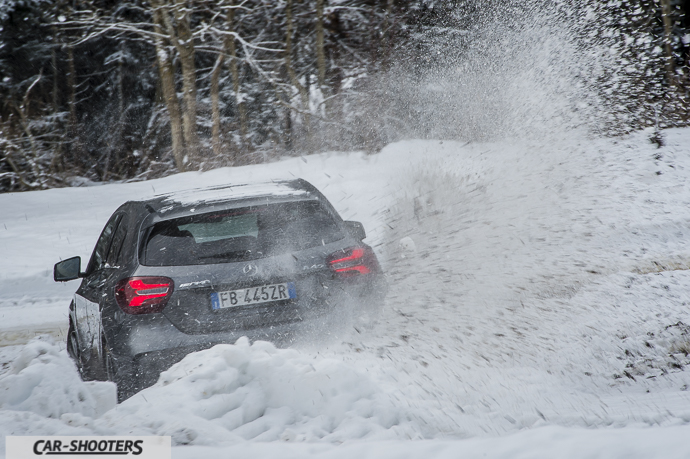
250, 270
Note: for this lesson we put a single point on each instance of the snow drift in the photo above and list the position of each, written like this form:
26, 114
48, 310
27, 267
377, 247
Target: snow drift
257, 392
45, 381
228, 393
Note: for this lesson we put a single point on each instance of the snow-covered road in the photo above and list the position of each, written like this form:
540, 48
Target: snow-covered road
539, 285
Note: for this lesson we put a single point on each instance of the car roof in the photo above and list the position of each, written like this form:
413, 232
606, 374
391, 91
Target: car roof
179, 203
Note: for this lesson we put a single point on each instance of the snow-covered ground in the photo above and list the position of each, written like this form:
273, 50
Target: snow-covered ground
539, 306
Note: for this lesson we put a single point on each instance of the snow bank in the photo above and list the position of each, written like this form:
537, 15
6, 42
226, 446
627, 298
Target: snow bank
226, 394
41, 393
242, 392
44, 380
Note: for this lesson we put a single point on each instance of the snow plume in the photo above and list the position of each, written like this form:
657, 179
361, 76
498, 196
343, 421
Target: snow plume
509, 69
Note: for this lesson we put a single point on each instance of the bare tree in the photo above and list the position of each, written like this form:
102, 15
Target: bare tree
72, 83
320, 47
304, 95
668, 30
215, 106
176, 24
166, 72
229, 54
234, 71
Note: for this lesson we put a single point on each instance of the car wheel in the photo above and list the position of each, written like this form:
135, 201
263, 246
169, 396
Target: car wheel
117, 372
110, 371
72, 345
87, 370
73, 351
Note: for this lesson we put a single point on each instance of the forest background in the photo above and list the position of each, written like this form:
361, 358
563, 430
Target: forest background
104, 90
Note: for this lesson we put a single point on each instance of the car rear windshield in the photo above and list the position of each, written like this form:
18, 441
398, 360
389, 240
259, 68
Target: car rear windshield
239, 234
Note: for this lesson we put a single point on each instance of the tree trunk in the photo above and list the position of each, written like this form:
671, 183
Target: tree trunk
386, 39
24, 114
76, 149
72, 83
166, 73
288, 130
320, 51
56, 162
53, 62
668, 30
117, 142
234, 71
180, 36
321, 56
291, 71
215, 107
184, 43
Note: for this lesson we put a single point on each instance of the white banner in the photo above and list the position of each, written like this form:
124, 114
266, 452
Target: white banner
87, 447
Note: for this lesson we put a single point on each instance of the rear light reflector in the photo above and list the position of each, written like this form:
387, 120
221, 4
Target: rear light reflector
361, 269
354, 262
143, 295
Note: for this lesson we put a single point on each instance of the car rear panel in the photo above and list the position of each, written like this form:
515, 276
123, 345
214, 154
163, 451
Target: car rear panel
214, 250
190, 306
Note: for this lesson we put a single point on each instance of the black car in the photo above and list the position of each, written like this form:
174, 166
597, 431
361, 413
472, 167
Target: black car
185, 271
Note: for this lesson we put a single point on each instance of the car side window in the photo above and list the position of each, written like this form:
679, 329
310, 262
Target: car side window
100, 253
113, 258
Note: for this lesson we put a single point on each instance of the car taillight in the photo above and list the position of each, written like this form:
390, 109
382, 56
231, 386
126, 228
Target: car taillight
353, 262
143, 295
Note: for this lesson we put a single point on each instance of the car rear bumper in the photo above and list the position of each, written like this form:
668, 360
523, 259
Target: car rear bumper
151, 345
139, 370
148, 333
155, 333
147, 345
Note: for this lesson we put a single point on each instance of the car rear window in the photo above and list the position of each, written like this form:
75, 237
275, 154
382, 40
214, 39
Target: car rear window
239, 234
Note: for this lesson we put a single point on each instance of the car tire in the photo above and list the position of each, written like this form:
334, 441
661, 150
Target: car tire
87, 370
119, 374
110, 371
73, 345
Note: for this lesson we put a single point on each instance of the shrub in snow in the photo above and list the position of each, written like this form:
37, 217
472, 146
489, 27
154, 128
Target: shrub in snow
44, 380
657, 353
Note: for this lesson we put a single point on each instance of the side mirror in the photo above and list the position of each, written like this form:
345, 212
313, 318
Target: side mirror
67, 270
356, 229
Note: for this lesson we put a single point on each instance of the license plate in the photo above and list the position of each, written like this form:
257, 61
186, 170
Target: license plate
253, 295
